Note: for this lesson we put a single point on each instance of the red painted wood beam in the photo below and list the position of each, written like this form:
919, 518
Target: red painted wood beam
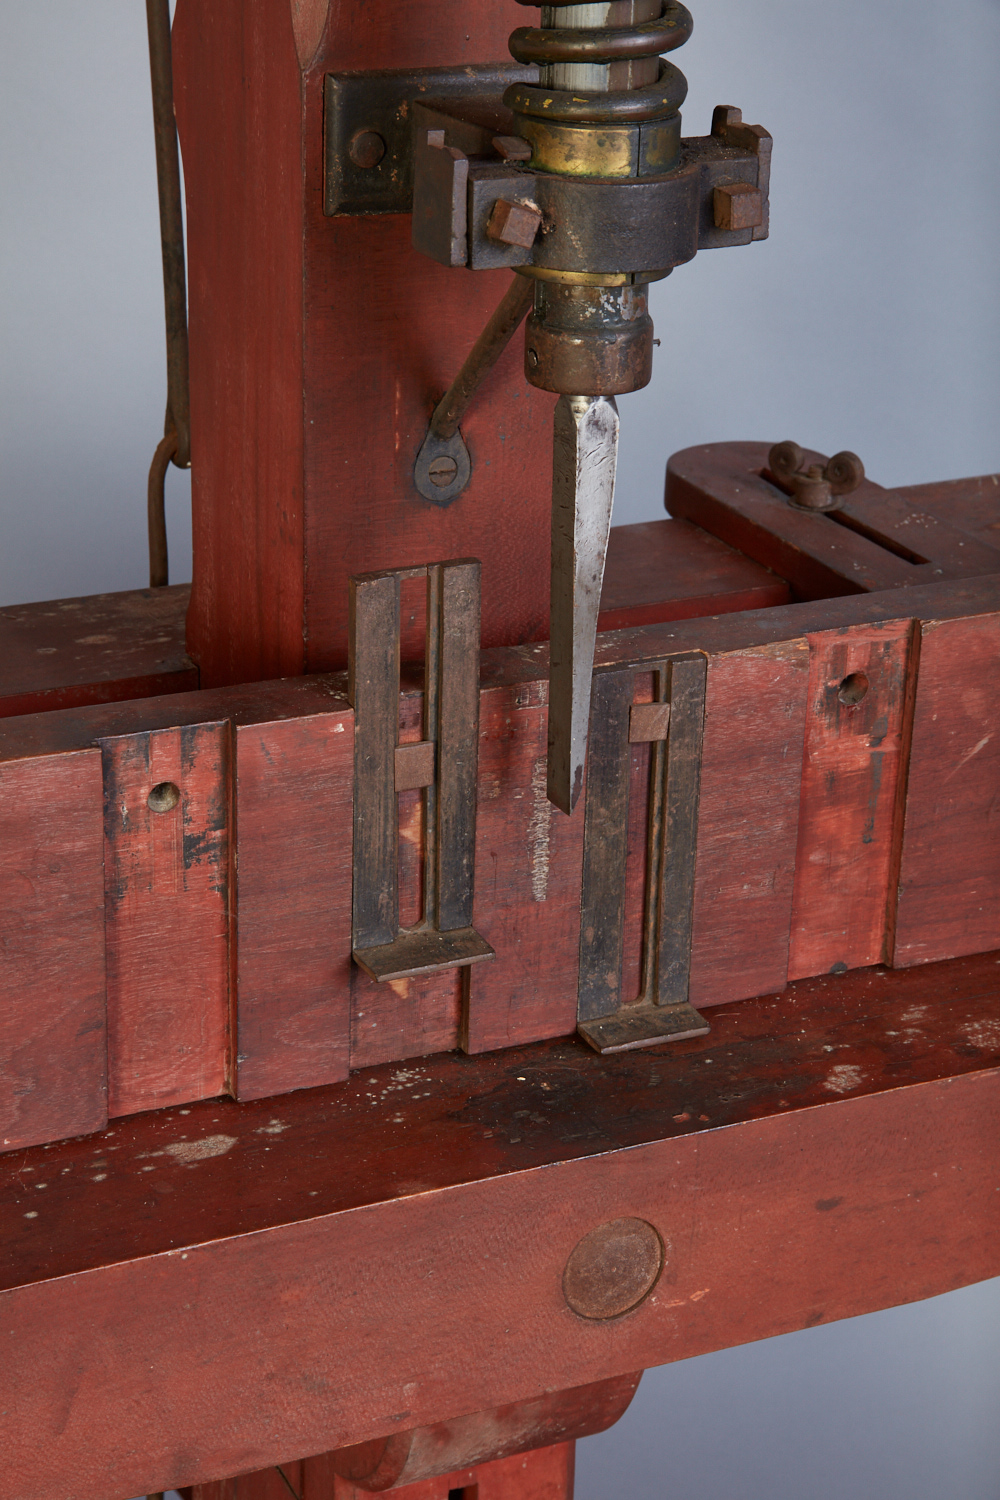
211, 1289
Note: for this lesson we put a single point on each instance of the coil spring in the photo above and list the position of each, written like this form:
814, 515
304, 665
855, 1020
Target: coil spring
603, 44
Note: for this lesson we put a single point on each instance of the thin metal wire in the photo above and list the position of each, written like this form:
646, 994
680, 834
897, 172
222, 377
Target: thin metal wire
177, 424
156, 521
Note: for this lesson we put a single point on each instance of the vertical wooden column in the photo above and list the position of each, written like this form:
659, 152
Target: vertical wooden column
319, 347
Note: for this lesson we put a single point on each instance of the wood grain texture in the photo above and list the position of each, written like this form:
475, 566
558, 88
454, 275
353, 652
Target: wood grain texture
949, 885
855, 753
262, 1484
98, 649
543, 1474
237, 84
751, 775
972, 505
166, 880
294, 783
299, 322
528, 872
750, 1151
53, 1042
673, 570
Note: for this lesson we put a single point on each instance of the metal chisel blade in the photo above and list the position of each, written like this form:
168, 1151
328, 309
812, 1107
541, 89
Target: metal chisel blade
584, 456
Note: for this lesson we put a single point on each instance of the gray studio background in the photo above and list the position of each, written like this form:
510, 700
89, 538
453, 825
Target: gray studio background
870, 320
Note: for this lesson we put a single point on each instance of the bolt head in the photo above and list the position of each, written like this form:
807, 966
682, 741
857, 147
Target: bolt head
366, 148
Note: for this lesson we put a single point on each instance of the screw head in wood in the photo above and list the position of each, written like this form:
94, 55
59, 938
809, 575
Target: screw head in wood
613, 1269
442, 471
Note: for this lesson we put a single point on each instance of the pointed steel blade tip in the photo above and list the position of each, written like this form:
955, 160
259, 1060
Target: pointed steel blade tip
584, 456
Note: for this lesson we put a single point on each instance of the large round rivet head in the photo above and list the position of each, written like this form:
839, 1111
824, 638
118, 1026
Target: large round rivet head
613, 1269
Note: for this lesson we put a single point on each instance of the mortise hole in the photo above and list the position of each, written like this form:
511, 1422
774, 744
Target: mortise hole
853, 688
164, 796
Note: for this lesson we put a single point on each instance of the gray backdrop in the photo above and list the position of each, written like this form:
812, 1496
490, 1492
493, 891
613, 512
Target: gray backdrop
869, 321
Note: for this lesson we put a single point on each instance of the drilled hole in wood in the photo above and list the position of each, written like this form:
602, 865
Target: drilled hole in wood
853, 688
467, 1492
164, 797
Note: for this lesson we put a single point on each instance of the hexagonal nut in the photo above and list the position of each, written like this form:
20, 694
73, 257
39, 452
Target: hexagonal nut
738, 205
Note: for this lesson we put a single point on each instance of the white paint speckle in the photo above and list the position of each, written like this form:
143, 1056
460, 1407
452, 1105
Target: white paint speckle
984, 1034
843, 1078
209, 1145
31, 1215
538, 831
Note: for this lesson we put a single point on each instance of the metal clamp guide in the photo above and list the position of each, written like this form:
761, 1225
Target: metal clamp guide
444, 763
673, 724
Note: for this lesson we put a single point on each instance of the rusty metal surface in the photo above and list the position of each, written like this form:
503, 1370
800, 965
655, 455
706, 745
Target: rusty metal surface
443, 467
613, 1268
176, 444
588, 340
483, 355
814, 486
368, 129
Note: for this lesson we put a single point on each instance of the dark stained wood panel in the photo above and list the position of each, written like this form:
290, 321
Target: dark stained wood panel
949, 882
748, 830
53, 1042
97, 649
855, 753
459, 1198
294, 782
166, 873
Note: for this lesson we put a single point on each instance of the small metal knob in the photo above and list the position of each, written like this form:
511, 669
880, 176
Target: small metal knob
815, 487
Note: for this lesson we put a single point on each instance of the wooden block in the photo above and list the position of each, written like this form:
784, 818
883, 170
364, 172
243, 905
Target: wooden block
282, 522
949, 882
473, 1443
280, 1482
294, 781
542, 1474
99, 649
748, 829
528, 868
435, 1195
673, 570
166, 864
53, 1043
404, 1018
855, 753
971, 505
720, 487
